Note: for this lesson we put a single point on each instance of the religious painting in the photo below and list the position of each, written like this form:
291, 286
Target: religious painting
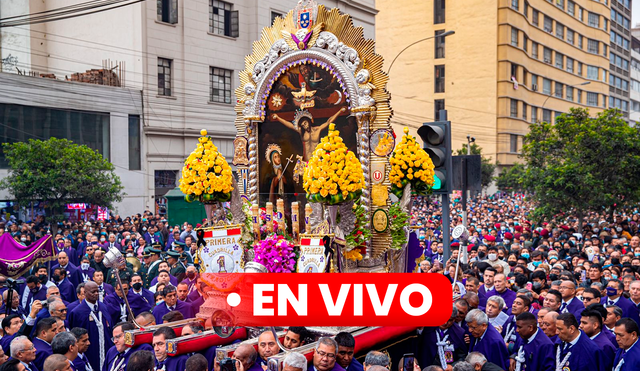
382, 142
304, 100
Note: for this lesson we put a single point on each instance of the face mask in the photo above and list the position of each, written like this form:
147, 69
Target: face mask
614, 276
102, 239
128, 237
553, 277
637, 254
137, 286
160, 302
537, 285
35, 291
525, 255
493, 257
23, 239
422, 237
536, 264
144, 229
513, 264
85, 266
481, 255
611, 291
56, 277
191, 275
130, 255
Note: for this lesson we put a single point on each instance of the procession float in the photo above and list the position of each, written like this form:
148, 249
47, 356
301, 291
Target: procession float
319, 183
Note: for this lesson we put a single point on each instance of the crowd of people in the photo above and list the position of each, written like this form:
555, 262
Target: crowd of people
562, 295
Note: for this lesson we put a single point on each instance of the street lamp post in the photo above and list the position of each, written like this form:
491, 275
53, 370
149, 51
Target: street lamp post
445, 34
570, 86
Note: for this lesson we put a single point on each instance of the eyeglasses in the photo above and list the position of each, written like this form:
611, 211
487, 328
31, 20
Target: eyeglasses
325, 355
584, 298
117, 337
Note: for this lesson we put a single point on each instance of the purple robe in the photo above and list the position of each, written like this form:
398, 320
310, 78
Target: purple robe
43, 350
110, 363
6, 341
73, 305
629, 309
583, 356
81, 363
106, 290
87, 275
182, 307
574, 307
482, 295
40, 295
115, 304
176, 363
146, 295
355, 365
67, 290
336, 367
492, 346
631, 358
428, 350
508, 295
254, 367
608, 350
73, 273
80, 317
538, 352
611, 336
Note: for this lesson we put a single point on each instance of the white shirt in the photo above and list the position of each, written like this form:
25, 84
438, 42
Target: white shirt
533, 337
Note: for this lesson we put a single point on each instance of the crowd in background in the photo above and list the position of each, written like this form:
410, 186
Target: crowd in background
559, 295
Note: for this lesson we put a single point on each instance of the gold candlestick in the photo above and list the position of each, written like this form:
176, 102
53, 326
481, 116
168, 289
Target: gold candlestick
255, 218
269, 217
280, 216
307, 215
295, 226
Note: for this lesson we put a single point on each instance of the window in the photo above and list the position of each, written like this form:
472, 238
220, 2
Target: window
514, 108
546, 115
513, 148
514, 36
220, 80
580, 41
168, 11
526, 9
134, 143
579, 94
571, 7
592, 46
570, 36
580, 68
559, 60
569, 65
534, 114
515, 4
223, 20
439, 44
164, 77
546, 86
438, 11
514, 70
524, 111
534, 17
21, 123
525, 43
559, 30
605, 25
165, 178
594, 20
438, 105
534, 50
547, 55
548, 24
580, 14
534, 82
560, 3
275, 15
592, 72
592, 99
559, 88
569, 93
439, 73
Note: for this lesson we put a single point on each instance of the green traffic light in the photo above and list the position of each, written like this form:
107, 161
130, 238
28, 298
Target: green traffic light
437, 183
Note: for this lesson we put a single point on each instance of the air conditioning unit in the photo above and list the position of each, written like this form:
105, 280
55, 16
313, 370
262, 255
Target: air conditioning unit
534, 87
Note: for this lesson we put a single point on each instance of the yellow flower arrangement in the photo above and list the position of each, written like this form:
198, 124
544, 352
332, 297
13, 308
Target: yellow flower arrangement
206, 175
385, 145
410, 164
333, 174
353, 255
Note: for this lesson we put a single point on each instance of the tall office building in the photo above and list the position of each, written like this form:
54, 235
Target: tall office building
620, 55
509, 63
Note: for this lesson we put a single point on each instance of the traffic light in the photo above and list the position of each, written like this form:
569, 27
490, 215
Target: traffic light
437, 144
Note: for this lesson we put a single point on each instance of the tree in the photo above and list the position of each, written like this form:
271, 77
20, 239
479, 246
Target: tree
510, 179
582, 163
487, 167
58, 171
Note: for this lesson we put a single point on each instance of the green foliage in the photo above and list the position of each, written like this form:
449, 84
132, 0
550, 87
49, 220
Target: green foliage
488, 167
582, 163
510, 179
360, 234
398, 219
58, 172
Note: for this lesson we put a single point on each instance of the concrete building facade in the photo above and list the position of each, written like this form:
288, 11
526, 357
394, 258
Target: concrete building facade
634, 78
509, 63
620, 56
183, 56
